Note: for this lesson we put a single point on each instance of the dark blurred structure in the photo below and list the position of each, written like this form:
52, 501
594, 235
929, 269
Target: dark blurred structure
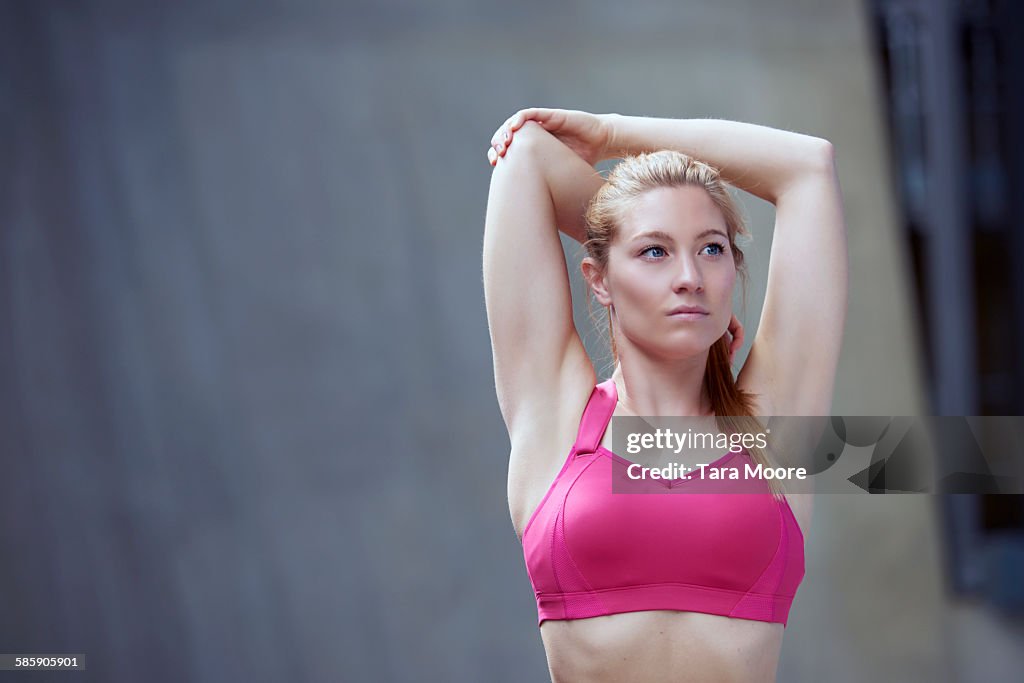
952, 70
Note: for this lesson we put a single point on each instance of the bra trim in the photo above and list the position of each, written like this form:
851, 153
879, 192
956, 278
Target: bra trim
683, 597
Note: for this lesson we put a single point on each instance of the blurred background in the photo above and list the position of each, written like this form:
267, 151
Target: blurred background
247, 407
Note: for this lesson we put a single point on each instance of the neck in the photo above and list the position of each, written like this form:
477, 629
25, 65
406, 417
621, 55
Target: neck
652, 387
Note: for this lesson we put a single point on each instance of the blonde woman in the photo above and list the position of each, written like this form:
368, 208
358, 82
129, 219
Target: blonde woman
656, 588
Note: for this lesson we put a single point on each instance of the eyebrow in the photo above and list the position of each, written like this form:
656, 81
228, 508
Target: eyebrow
662, 235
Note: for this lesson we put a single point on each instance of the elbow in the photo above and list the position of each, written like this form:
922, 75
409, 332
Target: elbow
529, 139
527, 145
823, 156
816, 166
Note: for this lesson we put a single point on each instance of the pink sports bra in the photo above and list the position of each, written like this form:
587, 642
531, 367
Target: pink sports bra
591, 553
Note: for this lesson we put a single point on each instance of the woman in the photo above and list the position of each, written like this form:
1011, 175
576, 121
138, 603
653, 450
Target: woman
687, 601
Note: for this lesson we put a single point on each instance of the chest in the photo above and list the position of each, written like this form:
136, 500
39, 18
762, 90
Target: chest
657, 537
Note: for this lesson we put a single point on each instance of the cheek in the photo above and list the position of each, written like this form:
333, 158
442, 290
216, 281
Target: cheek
723, 296
637, 289
725, 284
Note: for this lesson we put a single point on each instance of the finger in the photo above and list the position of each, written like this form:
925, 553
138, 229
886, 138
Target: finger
492, 156
737, 339
501, 140
736, 329
517, 120
500, 134
531, 114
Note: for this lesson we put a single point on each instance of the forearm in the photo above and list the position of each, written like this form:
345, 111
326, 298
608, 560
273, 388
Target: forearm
571, 181
763, 161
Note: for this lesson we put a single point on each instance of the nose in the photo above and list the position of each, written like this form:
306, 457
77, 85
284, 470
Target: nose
688, 276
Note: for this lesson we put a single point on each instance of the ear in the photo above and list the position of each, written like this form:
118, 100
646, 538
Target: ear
596, 280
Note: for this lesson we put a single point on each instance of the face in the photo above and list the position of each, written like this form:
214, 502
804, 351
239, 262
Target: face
672, 250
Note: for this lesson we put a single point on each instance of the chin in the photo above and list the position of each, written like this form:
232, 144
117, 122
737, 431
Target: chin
687, 349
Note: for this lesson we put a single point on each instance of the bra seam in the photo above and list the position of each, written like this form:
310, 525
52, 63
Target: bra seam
547, 494
796, 522
778, 548
560, 520
574, 452
565, 540
771, 562
670, 583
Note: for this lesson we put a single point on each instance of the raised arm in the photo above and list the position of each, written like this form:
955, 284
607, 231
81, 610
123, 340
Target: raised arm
765, 162
795, 351
539, 186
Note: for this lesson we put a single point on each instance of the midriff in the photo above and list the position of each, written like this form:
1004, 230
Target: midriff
660, 646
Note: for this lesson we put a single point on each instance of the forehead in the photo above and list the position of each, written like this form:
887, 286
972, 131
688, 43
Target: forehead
682, 212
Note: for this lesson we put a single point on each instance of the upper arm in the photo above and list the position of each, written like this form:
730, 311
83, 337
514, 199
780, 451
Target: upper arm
536, 349
796, 348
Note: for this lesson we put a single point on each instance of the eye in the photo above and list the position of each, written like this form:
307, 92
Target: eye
654, 247
716, 245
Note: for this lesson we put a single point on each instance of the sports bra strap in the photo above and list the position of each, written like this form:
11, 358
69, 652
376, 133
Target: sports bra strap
596, 417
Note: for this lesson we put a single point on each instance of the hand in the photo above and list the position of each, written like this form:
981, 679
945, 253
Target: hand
589, 135
736, 333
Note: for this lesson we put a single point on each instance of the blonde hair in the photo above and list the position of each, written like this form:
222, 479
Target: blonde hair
632, 177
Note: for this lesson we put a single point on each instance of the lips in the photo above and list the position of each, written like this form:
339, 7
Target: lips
682, 310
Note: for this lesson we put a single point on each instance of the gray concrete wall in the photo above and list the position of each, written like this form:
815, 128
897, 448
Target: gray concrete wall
248, 413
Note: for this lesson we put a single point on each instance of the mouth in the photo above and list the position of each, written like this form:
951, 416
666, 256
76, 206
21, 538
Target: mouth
688, 313
687, 316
